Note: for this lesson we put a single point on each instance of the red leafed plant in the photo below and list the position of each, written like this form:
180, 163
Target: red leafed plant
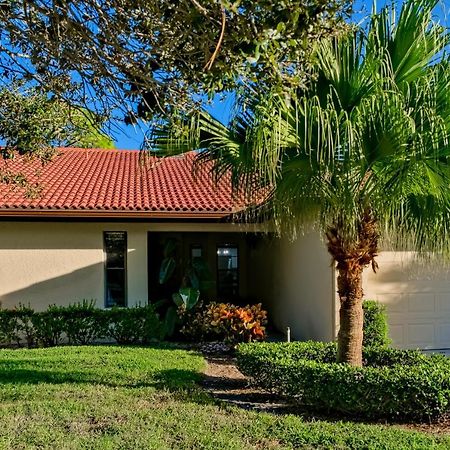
228, 322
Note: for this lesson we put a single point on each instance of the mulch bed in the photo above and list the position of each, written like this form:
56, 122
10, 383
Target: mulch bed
225, 382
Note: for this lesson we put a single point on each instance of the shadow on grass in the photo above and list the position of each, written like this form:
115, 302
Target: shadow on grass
183, 385
172, 379
46, 366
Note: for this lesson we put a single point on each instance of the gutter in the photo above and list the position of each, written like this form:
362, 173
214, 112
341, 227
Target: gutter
114, 214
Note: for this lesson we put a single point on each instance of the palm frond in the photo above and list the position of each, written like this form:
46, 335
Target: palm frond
372, 133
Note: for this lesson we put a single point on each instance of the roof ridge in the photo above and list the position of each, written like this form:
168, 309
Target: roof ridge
99, 149
122, 150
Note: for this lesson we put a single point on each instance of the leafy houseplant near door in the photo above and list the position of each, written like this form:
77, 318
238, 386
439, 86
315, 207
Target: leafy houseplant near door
196, 278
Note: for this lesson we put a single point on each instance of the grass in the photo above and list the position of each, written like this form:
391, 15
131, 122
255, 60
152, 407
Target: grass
147, 398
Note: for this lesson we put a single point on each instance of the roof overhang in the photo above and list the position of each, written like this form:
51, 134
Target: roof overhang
113, 214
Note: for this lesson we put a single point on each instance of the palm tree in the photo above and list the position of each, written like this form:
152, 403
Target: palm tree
362, 155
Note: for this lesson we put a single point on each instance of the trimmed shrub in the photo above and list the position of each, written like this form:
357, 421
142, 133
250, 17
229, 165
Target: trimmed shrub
25, 329
135, 325
376, 332
84, 323
401, 384
16, 327
8, 327
49, 326
79, 324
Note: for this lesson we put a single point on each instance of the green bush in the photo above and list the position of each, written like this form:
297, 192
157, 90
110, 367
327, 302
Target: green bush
84, 323
79, 324
402, 384
376, 332
8, 327
135, 325
16, 327
49, 326
25, 329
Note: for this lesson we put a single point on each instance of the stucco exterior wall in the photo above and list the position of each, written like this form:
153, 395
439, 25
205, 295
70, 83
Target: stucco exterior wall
61, 263
44, 263
302, 294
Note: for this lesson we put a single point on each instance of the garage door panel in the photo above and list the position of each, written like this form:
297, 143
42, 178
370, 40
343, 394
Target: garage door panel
443, 335
415, 329
421, 303
443, 302
397, 334
421, 335
417, 300
395, 302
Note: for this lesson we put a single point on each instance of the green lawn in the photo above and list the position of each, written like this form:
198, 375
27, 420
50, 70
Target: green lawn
132, 398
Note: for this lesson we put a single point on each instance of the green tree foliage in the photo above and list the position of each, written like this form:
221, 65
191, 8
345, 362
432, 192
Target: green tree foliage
153, 56
361, 155
87, 129
33, 125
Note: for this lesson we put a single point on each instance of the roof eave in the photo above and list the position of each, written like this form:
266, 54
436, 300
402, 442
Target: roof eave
113, 214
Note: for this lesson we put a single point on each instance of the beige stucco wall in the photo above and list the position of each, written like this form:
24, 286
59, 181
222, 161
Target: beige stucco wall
302, 287
44, 263
61, 263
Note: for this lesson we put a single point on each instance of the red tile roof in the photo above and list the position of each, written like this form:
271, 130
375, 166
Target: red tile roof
117, 183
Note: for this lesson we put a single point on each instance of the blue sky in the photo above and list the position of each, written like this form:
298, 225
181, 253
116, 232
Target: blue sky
132, 137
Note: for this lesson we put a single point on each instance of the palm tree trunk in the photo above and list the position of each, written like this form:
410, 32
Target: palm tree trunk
351, 256
350, 337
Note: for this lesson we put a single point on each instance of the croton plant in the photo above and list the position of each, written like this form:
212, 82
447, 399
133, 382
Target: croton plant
229, 322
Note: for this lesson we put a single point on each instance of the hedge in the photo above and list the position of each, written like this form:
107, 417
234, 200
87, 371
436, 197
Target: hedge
375, 325
79, 324
401, 384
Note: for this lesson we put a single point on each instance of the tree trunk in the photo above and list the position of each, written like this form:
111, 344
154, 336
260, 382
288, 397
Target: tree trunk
351, 256
350, 337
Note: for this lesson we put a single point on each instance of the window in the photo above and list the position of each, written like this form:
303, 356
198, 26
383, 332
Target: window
115, 246
227, 271
196, 251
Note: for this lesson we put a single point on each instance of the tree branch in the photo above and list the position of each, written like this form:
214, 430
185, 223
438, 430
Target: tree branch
210, 63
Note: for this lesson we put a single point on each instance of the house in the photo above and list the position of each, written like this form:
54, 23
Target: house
99, 227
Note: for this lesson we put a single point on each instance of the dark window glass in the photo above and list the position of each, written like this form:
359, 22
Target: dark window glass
115, 244
227, 271
196, 251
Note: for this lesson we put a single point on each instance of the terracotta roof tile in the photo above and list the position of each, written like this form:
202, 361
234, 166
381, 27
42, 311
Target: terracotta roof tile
117, 180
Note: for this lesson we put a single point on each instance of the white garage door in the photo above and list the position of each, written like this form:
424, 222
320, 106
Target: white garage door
417, 298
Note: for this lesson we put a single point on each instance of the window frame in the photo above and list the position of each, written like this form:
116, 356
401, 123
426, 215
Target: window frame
105, 270
237, 270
